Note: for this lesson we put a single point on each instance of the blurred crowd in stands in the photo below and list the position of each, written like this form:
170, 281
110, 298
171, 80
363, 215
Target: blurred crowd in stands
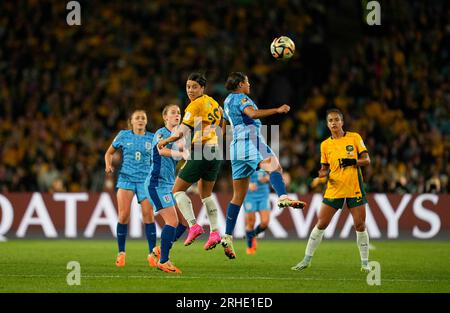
65, 91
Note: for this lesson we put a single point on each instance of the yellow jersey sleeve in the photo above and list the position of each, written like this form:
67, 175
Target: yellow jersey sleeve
359, 144
323, 153
190, 113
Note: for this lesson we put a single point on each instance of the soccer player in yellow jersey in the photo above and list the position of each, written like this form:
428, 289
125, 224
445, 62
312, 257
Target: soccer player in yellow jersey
202, 117
342, 155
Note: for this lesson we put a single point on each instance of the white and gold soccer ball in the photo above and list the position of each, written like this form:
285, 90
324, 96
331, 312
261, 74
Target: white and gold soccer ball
282, 48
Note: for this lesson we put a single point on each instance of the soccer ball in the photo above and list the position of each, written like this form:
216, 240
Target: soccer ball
282, 48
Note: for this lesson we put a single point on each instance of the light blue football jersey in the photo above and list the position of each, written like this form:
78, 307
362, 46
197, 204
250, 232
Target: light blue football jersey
263, 190
136, 155
248, 144
234, 106
163, 169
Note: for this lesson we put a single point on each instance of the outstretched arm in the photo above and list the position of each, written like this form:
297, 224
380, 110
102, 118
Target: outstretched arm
177, 155
255, 114
179, 132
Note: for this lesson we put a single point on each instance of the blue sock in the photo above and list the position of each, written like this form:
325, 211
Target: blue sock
250, 235
150, 233
121, 231
259, 230
232, 214
179, 231
167, 238
276, 180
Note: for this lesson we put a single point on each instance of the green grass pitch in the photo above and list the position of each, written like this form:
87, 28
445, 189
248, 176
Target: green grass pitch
406, 266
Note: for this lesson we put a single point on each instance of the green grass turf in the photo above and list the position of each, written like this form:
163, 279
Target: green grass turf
406, 266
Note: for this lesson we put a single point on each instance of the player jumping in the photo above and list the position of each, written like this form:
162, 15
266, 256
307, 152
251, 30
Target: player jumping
249, 152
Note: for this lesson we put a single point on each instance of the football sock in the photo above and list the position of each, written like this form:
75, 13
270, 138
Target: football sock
250, 235
276, 180
167, 238
211, 211
314, 240
185, 205
259, 230
179, 231
150, 233
232, 214
121, 231
362, 240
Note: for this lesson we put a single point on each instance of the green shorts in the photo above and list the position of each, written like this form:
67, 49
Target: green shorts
194, 170
338, 203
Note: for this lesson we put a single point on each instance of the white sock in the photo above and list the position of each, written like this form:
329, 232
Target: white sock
362, 240
185, 205
314, 240
211, 211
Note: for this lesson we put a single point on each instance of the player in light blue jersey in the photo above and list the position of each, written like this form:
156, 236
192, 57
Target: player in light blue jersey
135, 144
249, 152
160, 181
256, 200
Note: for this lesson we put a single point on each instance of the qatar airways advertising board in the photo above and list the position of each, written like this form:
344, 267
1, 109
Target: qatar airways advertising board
94, 215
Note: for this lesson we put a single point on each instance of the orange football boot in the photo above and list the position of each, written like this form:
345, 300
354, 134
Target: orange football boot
254, 244
153, 257
120, 261
168, 267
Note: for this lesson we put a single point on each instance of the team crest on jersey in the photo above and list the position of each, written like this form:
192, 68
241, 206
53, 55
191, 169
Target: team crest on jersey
166, 198
148, 145
160, 136
244, 100
187, 116
349, 149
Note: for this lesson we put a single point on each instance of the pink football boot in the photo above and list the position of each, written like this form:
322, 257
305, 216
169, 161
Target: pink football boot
213, 240
194, 231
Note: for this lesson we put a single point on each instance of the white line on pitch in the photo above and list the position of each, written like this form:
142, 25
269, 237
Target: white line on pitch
298, 278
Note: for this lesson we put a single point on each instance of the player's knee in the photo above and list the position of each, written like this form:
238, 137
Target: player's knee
172, 221
360, 226
238, 198
205, 194
124, 219
148, 218
321, 225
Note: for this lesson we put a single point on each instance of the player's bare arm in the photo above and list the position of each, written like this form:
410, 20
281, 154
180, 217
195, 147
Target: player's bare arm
173, 153
363, 159
108, 159
181, 131
255, 114
323, 176
324, 170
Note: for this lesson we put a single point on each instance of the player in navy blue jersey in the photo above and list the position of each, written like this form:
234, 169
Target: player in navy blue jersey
135, 144
160, 181
249, 152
